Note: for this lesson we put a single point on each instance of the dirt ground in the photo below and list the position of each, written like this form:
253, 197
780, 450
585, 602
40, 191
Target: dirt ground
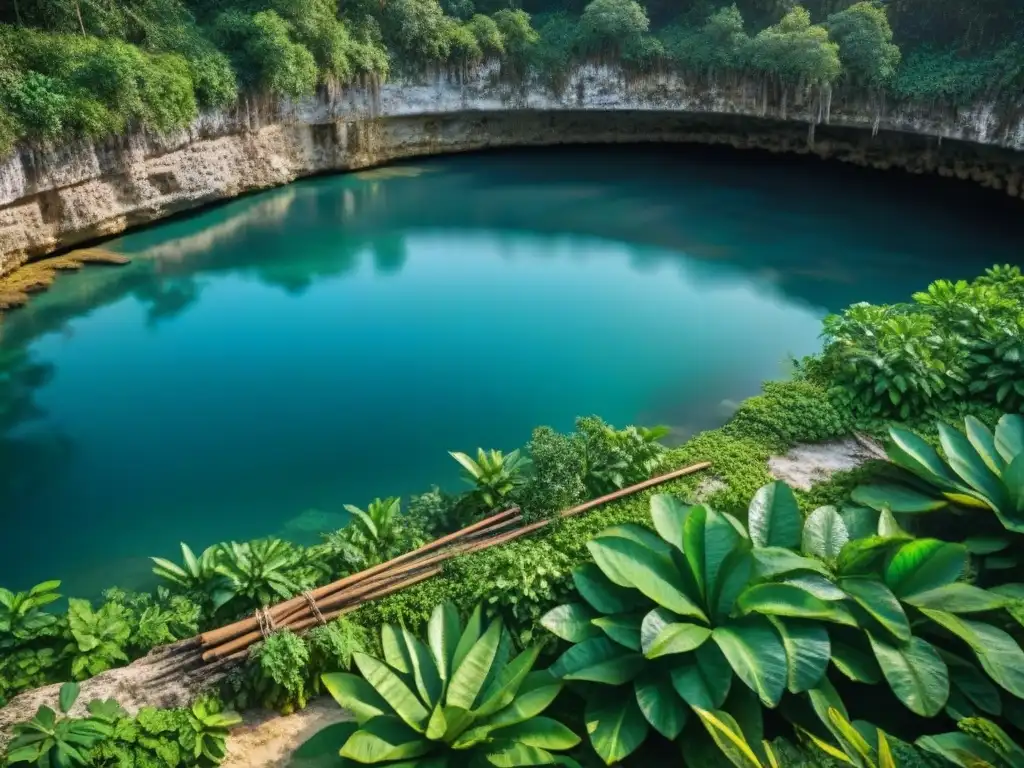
267, 739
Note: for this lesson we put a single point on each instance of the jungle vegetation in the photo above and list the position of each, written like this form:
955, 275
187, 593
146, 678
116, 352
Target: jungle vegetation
97, 68
873, 620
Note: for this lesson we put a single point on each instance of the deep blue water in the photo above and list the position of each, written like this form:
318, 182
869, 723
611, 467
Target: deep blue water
264, 362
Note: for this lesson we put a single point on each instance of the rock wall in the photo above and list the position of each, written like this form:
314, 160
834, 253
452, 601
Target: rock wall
58, 197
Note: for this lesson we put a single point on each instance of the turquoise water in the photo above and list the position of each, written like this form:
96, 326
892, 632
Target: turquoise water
262, 363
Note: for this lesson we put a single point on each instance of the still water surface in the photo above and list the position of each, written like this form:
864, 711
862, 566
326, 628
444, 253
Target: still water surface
264, 362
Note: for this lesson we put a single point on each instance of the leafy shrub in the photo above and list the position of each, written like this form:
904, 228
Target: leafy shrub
559, 466
617, 458
607, 26
865, 44
789, 412
264, 55
52, 739
99, 638
494, 475
21, 614
465, 699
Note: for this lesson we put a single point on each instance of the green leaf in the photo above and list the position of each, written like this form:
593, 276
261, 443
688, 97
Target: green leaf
437, 726
787, 600
323, 747
857, 665
470, 675
962, 750
570, 622
677, 638
896, 498
425, 674
1010, 437
755, 652
978, 689
709, 539
966, 462
1013, 478
915, 455
443, 632
774, 517
984, 443
998, 652
536, 693
385, 738
957, 598
623, 628
924, 564
807, 649
504, 687
770, 562
604, 596
660, 704
629, 564
598, 660
616, 726
540, 732
669, 514
866, 557
915, 673
824, 534
356, 695
470, 635
702, 678
878, 601
729, 738
68, 694
817, 585
391, 688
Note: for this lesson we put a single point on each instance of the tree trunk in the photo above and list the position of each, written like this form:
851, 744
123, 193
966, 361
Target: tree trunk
17, 12
78, 10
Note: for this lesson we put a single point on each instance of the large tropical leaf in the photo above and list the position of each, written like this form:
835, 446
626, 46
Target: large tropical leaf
974, 685
536, 693
915, 673
856, 663
966, 462
729, 738
998, 653
789, 600
669, 515
571, 622
915, 455
468, 679
424, 670
703, 678
983, 441
957, 598
807, 649
709, 539
385, 738
623, 628
880, 604
396, 654
502, 690
616, 726
962, 750
824, 534
896, 498
629, 564
924, 564
393, 690
604, 596
511, 754
542, 732
598, 660
756, 654
1010, 437
660, 704
356, 695
677, 637
443, 633
770, 562
1013, 479
774, 518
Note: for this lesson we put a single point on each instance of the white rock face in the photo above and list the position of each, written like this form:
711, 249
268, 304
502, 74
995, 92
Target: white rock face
57, 197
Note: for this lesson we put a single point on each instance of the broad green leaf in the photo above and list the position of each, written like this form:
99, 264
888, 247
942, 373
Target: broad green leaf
68, 694
604, 596
746, 709
915, 673
756, 654
774, 518
443, 632
540, 732
669, 514
807, 649
824, 534
514, 755
474, 629
616, 726
677, 638
984, 443
503, 689
787, 600
966, 462
660, 704
915, 455
896, 498
888, 527
957, 598
962, 750
356, 695
732, 578
323, 747
639, 535
924, 564
997, 651
385, 738
709, 540
861, 522
856, 664
702, 678
598, 660
729, 738
623, 628
469, 676
770, 562
1010, 437
535, 695
571, 622
1013, 478
393, 690
865, 557
824, 699
629, 564
978, 688
817, 585
878, 601
428, 681
437, 726
654, 621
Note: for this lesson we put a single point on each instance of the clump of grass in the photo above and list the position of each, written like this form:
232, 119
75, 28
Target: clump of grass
37, 276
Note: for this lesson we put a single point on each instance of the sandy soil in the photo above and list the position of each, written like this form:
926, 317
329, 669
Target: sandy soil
267, 739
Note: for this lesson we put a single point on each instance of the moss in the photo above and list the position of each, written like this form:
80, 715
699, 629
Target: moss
39, 275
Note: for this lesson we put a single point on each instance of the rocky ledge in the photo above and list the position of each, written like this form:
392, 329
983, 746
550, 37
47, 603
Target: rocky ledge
58, 197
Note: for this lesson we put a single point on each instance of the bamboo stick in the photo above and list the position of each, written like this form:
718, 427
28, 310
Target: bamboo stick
587, 505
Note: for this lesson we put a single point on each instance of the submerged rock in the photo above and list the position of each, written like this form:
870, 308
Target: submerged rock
809, 463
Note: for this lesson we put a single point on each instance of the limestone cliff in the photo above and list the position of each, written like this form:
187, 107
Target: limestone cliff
58, 197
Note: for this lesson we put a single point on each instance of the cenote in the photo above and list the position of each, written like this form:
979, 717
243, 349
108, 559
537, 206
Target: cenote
264, 362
